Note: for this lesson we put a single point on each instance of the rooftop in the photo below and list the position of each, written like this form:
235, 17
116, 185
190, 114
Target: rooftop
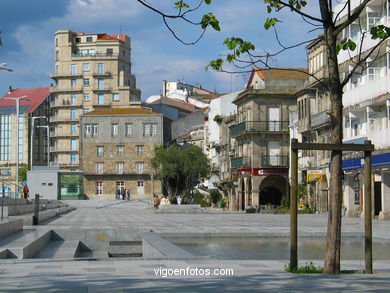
119, 111
34, 98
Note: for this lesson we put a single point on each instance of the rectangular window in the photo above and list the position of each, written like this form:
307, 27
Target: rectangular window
374, 73
20, 140
101, 83
73, 129
73, 83
73, 69
73, 99
146, 129
119, 150
88, 129
73, 144
89, 39
5, 137
86, 97
5, 172
99, 168
99, 188
139, 167
123, 67
99, 150
101, 99
101, 68
85, 66
114, 129
119, 167
85, 110
86, 81
124, 53
109, 52
154, 129
73, 114
129, 129
95, 129
56, 42
139, 150
115, 96
73, 158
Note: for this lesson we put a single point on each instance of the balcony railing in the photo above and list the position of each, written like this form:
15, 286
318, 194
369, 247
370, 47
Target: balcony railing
274, 161
63, 119
259, 126
320, 118
65, 74
101, 73
241, 162
63, 133
60, 164
62, 149
55, 89
65, 103
95, 55
100, 88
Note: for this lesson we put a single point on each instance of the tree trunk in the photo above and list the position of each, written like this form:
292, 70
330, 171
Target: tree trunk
333, 238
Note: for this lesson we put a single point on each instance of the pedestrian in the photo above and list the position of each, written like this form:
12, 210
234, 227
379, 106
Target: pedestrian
118, 193
128, 194
156, 201
123, 194
25, 191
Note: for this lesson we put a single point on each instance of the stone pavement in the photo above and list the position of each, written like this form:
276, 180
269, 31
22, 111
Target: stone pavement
138, 275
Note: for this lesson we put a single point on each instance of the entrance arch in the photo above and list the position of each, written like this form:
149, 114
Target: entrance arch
272, 189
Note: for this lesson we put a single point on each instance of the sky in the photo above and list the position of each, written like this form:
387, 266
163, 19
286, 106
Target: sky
28, 29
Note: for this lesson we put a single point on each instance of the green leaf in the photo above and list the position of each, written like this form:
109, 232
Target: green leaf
210, 19
346, 45
181, 4
215, 64
270, 22
380, 32
208, 2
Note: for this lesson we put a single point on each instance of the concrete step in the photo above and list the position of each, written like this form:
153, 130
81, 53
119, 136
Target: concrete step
25, 244
124, 249
60, 250
10, 226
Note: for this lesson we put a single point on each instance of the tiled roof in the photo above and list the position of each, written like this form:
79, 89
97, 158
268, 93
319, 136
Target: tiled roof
35, 97
282, 73
120, 111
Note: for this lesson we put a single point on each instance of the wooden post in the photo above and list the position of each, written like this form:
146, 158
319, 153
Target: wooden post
293, 208
367, 211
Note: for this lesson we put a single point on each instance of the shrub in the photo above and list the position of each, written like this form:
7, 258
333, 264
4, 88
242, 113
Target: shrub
308, 268
200, 199
215, 196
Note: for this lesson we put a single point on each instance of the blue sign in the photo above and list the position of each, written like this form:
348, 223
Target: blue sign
358, 163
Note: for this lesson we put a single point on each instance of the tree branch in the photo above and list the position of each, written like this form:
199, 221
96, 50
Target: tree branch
300, 12
351, 18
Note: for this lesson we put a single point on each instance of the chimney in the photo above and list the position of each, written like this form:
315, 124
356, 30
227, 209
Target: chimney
10, 89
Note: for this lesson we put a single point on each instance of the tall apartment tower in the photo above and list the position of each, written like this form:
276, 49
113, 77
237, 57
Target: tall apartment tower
92, 71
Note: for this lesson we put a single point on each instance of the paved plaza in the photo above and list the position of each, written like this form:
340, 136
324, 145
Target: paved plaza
139, 275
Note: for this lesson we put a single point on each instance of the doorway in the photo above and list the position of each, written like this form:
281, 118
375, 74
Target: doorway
377, 197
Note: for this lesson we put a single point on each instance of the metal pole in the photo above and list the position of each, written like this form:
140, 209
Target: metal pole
293, 209
2, 202
31, 141
367, 211
17, 148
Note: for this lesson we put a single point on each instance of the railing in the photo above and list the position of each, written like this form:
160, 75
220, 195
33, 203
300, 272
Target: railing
274, 161
97, 88
320, 118
55, 89
62, 149
105, 104
259, 126
101, 73
60, 164
63, 133
65, 74
65, 103
62, 119
95, 55
241, 162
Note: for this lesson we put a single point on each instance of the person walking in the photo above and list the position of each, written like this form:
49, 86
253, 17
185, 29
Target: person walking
123, 194
118, 193
128, 194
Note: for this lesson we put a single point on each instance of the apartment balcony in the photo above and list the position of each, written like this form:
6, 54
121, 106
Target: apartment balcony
59, 119
97, 88
60, 164
104, 104
368, 91
320, 119
248, 127
56, 89
274, 161
380, 138
101, 73
57, 75
92, 56
57, 134
62, 149
65, 104
241, 162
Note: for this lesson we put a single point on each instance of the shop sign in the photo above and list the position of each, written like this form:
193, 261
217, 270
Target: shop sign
314, 176
270, 171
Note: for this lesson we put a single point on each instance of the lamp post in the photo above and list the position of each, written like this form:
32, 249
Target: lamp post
48, 141
32, 137
2, 67
17, 99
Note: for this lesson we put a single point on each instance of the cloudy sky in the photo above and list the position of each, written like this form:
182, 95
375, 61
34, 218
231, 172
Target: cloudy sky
28, 39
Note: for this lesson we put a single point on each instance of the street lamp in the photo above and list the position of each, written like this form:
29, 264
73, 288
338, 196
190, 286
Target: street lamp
2, 67
32, 138
48, 141
17, 99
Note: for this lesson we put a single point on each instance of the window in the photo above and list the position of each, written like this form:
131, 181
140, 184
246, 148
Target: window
86, 81
140, 183
101, 68
120, 185
139, 167
89, 39
86, 97
99, 168
5, 172
73, 113
99, 188
95, 129
115, 97
129, 129
73, 128
119, 168
21, 135
154, 129
57, 71
56, 55
124, 53
73, 69
99, 150
372, 20
119, 150
101, 99
374, 73
73, 144
56, 42
73, 159
146, 129
85, 66
73, 99
88, 129
114, 129
101, 83
85, 110
73, 83
109, 52
123, 67
139, 150
77, 40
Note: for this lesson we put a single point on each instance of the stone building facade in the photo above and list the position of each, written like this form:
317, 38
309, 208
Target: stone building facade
116, 148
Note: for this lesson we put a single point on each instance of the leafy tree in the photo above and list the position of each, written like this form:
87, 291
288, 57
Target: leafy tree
23, 173
332, 26
179, 169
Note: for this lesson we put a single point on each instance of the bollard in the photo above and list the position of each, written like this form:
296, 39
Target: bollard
36, 210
